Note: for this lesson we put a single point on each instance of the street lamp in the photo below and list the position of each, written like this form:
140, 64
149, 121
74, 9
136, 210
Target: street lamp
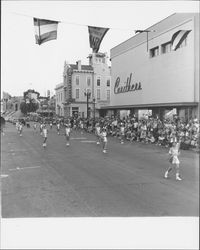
94, 107
87, 93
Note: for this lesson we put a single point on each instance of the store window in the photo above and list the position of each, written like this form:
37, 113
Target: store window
166, 47
154, 52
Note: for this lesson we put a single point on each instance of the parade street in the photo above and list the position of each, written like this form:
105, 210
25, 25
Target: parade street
80, 180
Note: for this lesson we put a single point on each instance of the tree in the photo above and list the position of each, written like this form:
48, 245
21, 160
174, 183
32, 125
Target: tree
23, 107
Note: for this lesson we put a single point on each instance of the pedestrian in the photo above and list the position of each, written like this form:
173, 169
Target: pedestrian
45, 132
174, 152
104, 139
58, 127
97, 132
20, 128
67, 133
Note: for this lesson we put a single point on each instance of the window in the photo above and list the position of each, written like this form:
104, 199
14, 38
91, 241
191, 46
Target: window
77, 93
108, 95
108, 82
98, 94
98, 81
88, 81
166, 47
77, 80
154, 52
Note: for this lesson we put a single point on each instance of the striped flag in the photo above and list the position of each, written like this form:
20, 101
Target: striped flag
45, 30
96, 35
178, 38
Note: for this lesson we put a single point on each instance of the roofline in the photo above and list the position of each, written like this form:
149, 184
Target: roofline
145, 29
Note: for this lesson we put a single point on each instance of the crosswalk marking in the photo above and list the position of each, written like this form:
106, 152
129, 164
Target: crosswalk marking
89, 141
4, 175
18, 168
78, 138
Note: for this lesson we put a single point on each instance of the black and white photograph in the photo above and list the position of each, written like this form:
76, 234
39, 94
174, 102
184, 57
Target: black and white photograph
100, 124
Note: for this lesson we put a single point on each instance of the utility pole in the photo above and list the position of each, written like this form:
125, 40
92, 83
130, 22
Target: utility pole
87, 94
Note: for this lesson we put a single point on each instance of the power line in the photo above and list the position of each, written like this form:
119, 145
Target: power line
77, 24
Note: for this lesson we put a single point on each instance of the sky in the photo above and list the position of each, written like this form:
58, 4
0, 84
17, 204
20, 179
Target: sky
26, 65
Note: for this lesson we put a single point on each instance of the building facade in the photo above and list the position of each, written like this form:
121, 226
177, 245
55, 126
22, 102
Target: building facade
161, 74
85, 88
60, 98
11, 104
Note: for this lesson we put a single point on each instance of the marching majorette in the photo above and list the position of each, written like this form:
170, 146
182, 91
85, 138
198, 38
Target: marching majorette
174, 152
41, 128
20, 128
45, 132
98, 132
122, 133
58, 127
51, 124
82, 127
17, 126
35, 125
104, 139
67, 133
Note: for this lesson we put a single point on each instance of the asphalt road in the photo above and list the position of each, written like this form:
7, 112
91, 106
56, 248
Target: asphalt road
80, 180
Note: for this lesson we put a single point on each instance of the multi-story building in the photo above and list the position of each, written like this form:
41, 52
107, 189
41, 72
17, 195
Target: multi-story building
85, 88
60, 98
160, 74
11, 104
101, 80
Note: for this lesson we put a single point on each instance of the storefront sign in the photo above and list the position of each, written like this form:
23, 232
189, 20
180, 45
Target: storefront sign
128, 86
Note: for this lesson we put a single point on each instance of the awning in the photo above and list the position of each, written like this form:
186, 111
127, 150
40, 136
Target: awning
153, 105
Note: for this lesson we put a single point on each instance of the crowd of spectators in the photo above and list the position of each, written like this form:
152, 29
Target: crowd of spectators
147, 130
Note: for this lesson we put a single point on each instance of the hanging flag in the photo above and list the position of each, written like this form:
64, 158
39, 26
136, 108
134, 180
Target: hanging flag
45, 30
178, 38
96, 35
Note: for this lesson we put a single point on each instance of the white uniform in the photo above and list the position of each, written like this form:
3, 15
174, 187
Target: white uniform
105, 141
67, 134
174, 152
45, 131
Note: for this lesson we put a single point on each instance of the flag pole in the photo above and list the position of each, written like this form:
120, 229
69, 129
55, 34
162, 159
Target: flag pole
147, 32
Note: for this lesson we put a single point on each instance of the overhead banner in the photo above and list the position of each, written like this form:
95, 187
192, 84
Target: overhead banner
96, 35
45, 30
178, 38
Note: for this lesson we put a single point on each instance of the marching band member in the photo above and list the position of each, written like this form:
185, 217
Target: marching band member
98, 132
45, 132
67, 133
104, 139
